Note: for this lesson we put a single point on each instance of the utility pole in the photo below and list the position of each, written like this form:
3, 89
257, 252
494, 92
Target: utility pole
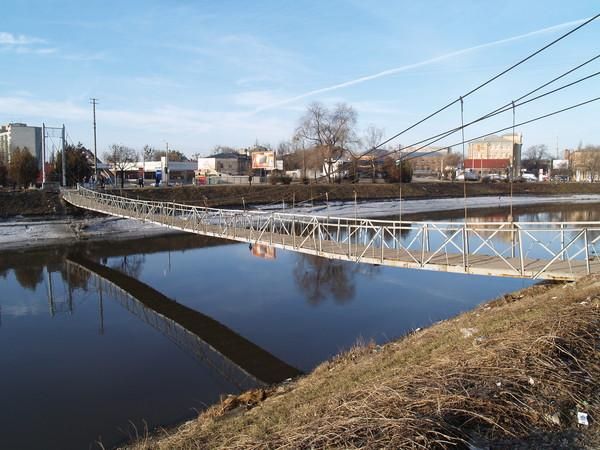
94, 102
167, 165
64, 158
44, 154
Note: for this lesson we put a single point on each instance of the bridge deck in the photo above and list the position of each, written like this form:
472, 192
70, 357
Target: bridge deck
315, 238
445, 262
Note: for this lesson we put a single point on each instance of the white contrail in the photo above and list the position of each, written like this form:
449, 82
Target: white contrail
426, 62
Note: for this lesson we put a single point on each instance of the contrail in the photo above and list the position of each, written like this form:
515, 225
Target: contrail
426, 62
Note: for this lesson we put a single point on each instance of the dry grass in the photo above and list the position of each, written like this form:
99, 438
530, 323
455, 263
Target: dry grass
513, 371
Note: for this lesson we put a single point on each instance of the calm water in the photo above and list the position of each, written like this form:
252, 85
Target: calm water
84, 356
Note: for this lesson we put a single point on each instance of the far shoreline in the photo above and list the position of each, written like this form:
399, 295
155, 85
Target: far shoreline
21, 233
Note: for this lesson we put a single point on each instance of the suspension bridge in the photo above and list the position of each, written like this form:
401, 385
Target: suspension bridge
536, 250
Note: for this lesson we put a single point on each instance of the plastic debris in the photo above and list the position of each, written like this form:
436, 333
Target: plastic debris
468, 332
582, 418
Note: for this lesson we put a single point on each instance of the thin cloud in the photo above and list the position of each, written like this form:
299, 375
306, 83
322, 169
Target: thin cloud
426, 62
7, 38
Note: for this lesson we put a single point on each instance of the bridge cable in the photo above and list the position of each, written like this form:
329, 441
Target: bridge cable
535, 119
485, 83
502, 109
463, 155
512, 168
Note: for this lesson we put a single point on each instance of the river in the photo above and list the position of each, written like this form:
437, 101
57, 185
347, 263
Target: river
101, 341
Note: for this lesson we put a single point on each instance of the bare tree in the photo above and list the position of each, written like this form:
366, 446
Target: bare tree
284, 148
148, 153
372, 138
217, 149
590, 161
330, 132
3, 174
450, 164
122, 158
534, 157
23, 167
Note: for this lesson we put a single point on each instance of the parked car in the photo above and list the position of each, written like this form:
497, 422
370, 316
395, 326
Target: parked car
468, 176
493, 178
529, 177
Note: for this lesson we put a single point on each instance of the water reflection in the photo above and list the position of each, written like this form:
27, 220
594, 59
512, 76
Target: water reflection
131, 265
201, 336
320, 278
29, 276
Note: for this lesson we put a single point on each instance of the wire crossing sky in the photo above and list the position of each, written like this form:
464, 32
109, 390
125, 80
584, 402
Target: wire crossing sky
201, 74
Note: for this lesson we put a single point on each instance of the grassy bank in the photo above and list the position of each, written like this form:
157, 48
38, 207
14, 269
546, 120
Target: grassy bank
510, 374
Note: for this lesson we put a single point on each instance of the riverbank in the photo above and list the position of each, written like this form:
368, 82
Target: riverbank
29, 233
239, 195
516, 372
42, 203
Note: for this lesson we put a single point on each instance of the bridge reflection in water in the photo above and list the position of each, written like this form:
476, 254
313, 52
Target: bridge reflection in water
235, 358
537, 250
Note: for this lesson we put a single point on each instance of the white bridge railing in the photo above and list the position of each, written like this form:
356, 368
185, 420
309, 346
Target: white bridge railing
538, 250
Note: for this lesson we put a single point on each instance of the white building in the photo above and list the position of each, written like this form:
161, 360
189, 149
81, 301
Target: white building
20, 136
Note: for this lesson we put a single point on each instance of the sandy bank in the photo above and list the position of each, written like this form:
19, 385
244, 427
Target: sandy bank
28, 233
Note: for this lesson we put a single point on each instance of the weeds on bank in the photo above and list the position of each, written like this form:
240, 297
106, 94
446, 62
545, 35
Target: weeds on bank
512, 369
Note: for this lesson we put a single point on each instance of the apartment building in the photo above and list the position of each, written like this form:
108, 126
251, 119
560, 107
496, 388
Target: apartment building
20, 136
495, 154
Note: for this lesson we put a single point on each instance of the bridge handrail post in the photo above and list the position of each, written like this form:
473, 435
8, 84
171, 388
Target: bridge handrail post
562, 240
294, 231
320, 225
466, 245
587, 251
349, 239
382, 246
423, 231
521, 256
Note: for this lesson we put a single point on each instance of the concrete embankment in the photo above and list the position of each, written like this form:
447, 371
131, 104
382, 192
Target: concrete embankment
519, 372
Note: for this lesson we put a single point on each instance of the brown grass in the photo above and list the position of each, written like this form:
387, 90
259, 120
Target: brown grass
513, 371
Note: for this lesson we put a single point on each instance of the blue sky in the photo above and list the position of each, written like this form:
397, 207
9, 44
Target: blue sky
201, 73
